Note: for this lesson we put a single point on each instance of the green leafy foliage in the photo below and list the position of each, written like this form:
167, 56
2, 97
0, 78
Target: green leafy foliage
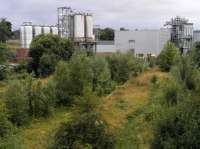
5, 30
106, 34
195, 54
72, 77
101, 82
46, 51
5, 56
177, 126
27, 98
5, 125
180, 127
80, 72
168, 56
122, 66
84, 130
17, 103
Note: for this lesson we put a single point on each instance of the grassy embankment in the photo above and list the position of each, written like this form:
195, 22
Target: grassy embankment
123, 110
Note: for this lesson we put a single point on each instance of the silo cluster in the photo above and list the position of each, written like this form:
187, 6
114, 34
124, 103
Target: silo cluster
29, 31
75, 25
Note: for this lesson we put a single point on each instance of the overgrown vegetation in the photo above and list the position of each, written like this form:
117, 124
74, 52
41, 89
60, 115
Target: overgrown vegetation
5, 30
79, 81
168, 56
177, 125
46, 51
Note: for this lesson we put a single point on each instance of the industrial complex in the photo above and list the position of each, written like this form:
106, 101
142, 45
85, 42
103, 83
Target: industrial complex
78, 26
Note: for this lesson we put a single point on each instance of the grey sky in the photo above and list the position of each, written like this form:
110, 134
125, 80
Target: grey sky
141, 14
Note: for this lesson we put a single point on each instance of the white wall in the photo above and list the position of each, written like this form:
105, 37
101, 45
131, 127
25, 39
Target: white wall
145, 41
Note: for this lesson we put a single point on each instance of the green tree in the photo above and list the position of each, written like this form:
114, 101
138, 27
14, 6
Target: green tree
168, 56
122, 66
46, 51
5, 30
102, 82
72, 77
106, 34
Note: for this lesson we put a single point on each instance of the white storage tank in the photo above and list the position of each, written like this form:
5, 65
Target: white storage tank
22, 39
46, 30
54, 30
79, 26
89, 26
38, 30
28, 35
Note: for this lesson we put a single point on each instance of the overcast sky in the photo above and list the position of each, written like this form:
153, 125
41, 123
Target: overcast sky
131, 14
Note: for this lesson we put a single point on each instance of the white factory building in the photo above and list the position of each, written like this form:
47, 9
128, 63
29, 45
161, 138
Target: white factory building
142, 42
29, 31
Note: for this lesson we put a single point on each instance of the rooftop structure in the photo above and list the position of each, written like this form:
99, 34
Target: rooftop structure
181, 33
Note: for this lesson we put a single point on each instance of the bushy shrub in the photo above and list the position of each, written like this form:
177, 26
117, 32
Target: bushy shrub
80, 72
186, 73
168, 56
71, 78
180, 127
88, 102
195, 54
123, 66
5, 125
27, 98
85, 130
17, 103
101, 80
43, 100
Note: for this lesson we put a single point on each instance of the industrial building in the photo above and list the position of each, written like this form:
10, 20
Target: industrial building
77, 26
28, 31
181, 33
151, 42
142, 42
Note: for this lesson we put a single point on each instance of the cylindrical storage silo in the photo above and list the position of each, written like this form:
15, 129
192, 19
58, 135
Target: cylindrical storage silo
89, 27
38, 30
54, 30
22, 39
79, 26
46, 30
28, 36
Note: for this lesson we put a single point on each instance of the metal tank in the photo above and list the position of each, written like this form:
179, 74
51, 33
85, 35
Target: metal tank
54, 30
22, 39
38, 30
79, 27
89, 26
28, 35
46, 30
